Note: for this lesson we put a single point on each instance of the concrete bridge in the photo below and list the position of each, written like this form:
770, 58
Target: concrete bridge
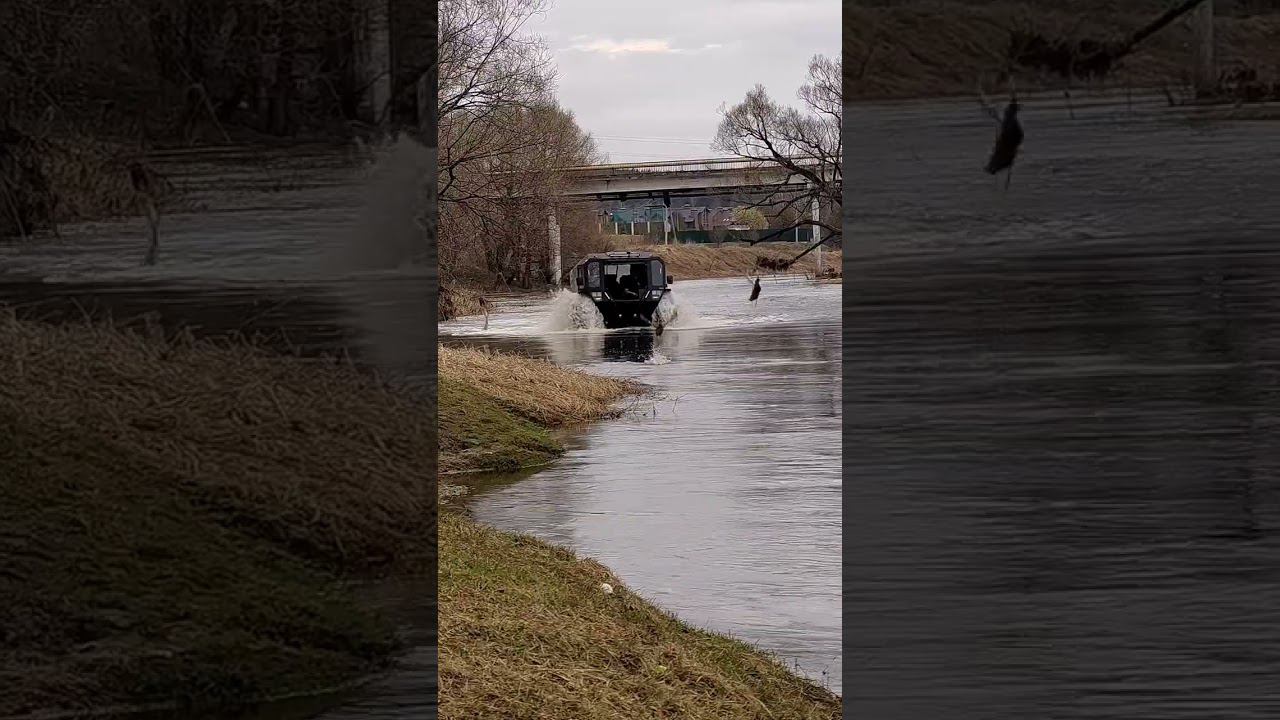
678, 178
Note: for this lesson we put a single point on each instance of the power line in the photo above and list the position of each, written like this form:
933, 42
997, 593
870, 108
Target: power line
656, 156
652, 139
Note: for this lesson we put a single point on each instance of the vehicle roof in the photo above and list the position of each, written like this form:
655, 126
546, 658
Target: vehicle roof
622, 255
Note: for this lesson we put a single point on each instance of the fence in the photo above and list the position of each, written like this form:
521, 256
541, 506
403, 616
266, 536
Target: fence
700, 237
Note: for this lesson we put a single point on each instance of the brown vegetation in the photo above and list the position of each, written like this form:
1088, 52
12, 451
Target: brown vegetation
178, 518
495, 409
697, 262
456, 300
503, 140
47, 180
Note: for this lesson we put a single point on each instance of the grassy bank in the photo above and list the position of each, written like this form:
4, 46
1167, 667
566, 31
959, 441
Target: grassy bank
700, 262
526, 630
920, 48
500, 412
181, 523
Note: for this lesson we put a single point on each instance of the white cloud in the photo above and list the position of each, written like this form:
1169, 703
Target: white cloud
624, 47
635, 46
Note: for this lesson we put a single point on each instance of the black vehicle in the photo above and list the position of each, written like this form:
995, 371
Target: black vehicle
625, 286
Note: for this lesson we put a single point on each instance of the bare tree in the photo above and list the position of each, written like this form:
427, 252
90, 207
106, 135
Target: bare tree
804, 142
502, 140
488, 67
501, 205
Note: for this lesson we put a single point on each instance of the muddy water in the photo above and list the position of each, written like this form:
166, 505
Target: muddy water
311, 247
1063, 484
720, 499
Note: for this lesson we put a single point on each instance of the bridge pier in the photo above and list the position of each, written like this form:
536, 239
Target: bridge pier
666, 218
553, 237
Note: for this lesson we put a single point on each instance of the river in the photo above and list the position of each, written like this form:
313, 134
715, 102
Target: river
719, 499
1062, 493
311, 246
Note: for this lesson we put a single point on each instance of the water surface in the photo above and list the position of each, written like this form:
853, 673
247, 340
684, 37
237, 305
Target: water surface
719, 499
1063, 480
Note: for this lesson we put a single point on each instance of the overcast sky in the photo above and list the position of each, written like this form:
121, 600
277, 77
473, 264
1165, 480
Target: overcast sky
647, 78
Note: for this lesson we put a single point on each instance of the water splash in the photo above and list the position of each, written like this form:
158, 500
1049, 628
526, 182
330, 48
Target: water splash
675, 312
571, 311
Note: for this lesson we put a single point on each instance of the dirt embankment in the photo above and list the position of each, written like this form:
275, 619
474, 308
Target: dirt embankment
922, 48
699, 262
526, 629
182, 522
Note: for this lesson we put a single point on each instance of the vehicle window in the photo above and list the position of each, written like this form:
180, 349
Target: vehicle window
657, 277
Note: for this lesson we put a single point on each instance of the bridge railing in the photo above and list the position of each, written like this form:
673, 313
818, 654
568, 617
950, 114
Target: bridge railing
679, 166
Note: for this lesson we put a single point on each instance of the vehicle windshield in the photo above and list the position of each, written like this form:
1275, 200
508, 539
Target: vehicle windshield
626, 280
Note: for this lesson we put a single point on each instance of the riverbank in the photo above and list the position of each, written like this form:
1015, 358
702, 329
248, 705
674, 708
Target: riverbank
703, 262
526, 630
185, 524
499, 413
934, 48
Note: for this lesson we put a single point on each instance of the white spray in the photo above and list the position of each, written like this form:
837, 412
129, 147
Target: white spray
571, 311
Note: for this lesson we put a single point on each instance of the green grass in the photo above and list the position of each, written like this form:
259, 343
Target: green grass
478, 434
120, 590
526, 632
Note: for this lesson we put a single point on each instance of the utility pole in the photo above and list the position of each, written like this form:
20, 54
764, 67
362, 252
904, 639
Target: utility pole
1206, 65
817, 233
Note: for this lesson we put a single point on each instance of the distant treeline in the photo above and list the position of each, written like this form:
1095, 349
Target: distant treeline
190, 69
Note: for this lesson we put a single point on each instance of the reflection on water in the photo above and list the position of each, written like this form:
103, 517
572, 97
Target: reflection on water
1063, 496
719, 498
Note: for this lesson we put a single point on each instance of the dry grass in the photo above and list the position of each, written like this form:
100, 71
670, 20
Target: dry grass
526, 633
67, 178
313, 454
921, 48
175, 517
496, 410
536, 390
456, 300
697, 262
